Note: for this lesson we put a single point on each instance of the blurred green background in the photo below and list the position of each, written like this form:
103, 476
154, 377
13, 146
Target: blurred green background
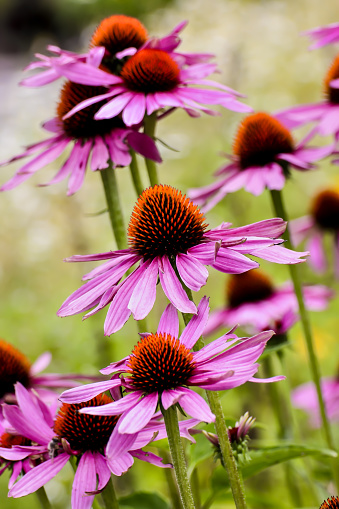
259, 52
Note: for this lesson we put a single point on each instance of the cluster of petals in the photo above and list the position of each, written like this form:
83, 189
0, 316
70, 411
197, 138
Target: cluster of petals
223, 364
306, 228
305, 397
278, 311
256, 178
322, 36
16, 367
223, 248
100, 149
31, 418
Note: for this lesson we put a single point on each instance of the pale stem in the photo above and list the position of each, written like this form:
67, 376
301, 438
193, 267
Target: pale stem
109, 497
114, 206
178, 458
149, 129
134, 168
44, 502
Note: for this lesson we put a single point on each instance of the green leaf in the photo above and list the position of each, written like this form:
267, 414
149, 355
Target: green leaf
143, 500
267, 457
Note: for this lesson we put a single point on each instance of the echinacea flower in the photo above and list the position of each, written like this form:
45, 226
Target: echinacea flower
253, 302
323, 219
305, 397
15, 367
263, 152
93, 440
322, 36
162, 366
103, 141
324, 114
167, 233
330, 503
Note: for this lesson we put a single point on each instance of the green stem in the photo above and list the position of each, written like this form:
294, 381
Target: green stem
280, 210
109, 497
136, 174
222, 432
44, 502
114, 207
178, 458
171, 484
196, 488
149, 129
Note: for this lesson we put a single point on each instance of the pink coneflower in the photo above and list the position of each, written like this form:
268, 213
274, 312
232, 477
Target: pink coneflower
167, 233
323, 219
325, 114
15, 367
93, 440
152, 79
323, 35
115, 39
253, 302
305, 397
101, 140
162, 366
263, 151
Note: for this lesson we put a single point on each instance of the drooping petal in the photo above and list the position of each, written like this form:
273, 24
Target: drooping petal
169, 322
144, 145
196, 325
38, 476
41, 363
191, 271
136, 418
119, 444
173, 289
84, 481
119, 465
144, 293
196, 406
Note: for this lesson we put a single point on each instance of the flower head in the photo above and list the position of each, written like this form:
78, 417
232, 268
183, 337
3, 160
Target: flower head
93, 439
255, 303
322, 220
102, 141
263, 151
162, 366
324, 114
330, 503
305, 397
168, 233
15, 367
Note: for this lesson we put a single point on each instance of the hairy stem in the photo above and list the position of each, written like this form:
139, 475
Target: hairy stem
109, 497
150, 123
134, 168
114, 206
178, 458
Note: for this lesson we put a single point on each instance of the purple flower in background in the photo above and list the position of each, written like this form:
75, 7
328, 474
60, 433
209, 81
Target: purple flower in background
323, 219
15, 367
324, 114
263, 152
253, 302
162, 367
92, 439
101, 140
167, 233
305, 397
322, 36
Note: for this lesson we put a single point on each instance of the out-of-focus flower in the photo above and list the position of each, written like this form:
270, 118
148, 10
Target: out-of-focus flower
166, 234
263, 152
330, 503
325, 114
322, 36
15, 367
103, 141
253, 302
305, 397
94, 440
323, 219
162, 366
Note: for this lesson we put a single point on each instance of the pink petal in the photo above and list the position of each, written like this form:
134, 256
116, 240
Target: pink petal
87, 392
136, 418
315, 247
41, 363
119, 444
169, 322
135, 110
144, 293
121, 464
196, 406
173, 289
84, 481
196, 325
192, 272
144, 145
38, 476
100, 154
114, 107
